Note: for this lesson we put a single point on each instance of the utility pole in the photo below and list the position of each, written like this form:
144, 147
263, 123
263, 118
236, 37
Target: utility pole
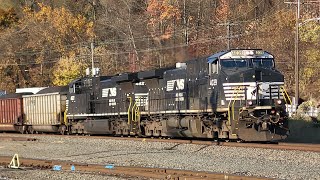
92, 43
296, 69
185, 21
92, 59
229, 34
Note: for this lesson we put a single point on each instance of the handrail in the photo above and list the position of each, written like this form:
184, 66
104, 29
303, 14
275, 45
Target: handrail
132, 110
235, 101
65, 119
129, 109
232, 107
285, 94
136, 109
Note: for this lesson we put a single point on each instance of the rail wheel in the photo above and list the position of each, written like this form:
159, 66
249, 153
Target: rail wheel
22, 129
63, 130
31, 130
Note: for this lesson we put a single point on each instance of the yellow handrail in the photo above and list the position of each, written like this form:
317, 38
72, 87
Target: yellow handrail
284, 93
129, 109
65, 118
136, 111
135, 108
232, 107
234, 100
133, 112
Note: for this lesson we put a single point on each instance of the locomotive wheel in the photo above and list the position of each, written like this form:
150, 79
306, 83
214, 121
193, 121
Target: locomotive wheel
240, 141
62, 130
22, 129
31, 130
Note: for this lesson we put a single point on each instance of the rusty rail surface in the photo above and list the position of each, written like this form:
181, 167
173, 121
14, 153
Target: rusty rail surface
125, 171
7, 138
277, 146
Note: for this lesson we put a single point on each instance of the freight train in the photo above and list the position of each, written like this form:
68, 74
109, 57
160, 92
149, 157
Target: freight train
232, 95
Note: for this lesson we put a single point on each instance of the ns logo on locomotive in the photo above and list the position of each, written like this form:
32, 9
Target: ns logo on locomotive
235, 94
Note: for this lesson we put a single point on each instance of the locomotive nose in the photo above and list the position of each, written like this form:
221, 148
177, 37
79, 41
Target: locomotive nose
253, 75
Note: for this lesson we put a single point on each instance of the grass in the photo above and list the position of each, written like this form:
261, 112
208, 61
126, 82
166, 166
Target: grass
302, 131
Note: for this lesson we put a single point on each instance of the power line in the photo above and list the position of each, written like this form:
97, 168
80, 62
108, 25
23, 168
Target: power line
83, 44
141, 38
39, 51
200, 41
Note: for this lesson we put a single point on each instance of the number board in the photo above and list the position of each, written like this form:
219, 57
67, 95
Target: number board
247, 52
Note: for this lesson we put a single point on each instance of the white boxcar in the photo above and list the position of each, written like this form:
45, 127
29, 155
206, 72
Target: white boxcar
44, 112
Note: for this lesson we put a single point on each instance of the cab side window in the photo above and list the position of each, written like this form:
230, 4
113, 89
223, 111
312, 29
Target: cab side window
214, 68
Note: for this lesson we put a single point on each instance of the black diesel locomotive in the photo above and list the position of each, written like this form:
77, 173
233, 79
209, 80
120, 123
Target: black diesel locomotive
235, 94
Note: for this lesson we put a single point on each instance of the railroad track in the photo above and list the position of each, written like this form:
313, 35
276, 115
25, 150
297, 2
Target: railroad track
279, 146
17, 139
125, 171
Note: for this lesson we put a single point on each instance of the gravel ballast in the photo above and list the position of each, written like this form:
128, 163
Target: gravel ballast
270, 163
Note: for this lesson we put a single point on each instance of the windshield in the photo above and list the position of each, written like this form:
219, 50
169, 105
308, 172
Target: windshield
267, 63
238, 63
234, 63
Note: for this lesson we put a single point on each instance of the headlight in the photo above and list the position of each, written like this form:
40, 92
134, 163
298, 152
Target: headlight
250, 103
279, 101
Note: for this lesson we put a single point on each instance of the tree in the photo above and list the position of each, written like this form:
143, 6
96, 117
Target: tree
162, 16
66, 70
7, 18
310, 66
42, 36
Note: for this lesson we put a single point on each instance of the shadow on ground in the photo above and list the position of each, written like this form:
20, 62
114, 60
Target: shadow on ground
302, 131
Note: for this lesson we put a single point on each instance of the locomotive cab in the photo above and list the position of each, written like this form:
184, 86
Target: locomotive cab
250, 94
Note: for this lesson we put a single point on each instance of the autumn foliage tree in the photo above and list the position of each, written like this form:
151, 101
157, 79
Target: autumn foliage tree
7, 18
42, 36
310, 71
66, 70
162, 16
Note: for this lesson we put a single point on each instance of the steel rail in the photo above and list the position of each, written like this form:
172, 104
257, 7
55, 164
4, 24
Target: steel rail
126, 171
277, 146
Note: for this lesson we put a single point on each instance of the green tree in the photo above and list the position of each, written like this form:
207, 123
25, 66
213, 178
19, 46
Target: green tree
66, 70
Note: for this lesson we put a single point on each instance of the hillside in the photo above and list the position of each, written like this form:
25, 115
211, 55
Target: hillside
39, 40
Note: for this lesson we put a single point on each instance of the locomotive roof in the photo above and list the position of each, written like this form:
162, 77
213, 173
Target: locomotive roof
125, 77
108, 83
154, 73
239, 53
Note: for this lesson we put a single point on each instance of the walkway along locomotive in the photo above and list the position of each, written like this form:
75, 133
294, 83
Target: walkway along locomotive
235, 94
